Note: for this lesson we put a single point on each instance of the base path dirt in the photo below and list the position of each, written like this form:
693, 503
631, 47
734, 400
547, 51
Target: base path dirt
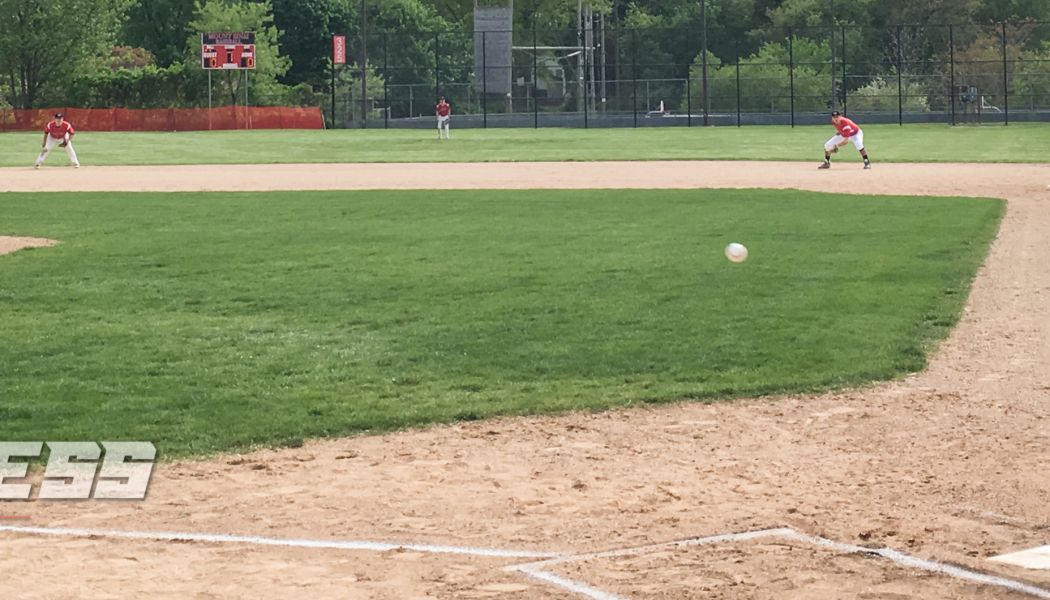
940, 179
948, 465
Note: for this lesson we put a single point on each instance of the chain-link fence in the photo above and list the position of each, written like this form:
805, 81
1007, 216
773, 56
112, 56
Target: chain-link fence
614, 77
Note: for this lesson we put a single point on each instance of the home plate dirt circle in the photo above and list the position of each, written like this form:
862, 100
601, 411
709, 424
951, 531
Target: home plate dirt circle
902, 490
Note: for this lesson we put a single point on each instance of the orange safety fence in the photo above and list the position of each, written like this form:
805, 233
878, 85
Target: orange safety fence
166, 119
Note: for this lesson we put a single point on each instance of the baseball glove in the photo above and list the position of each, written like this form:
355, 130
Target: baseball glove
63, 144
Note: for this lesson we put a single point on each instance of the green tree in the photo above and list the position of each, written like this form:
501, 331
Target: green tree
44, 43
160, 27
883, 95
235, 15
645, 46
146, 87
1031, 79
410, 32
765, 79
306, 28
348, 96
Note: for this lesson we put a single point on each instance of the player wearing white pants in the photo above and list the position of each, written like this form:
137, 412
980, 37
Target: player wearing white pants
58, 132
847, 131
443, 111
838, 141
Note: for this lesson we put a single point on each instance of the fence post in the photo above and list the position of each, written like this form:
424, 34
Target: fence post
738, 122
834, 94
364, 65
484, 84
951, 64
688, 92
900, 79
437, 66
586, 94
535, 74
845, 87
247, 112
1006, 88
634, 71
791, 71
386, 89
703, 53
333, 93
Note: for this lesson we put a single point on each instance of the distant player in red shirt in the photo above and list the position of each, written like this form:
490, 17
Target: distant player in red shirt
443, 111
59, 132
847, 132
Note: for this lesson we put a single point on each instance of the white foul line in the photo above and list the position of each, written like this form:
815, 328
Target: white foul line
565, 584
535, 569
894, 556
168, 536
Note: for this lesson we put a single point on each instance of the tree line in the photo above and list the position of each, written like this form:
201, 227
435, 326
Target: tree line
146, 53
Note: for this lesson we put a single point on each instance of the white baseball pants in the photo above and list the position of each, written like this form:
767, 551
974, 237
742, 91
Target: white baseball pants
51, 143
835, 142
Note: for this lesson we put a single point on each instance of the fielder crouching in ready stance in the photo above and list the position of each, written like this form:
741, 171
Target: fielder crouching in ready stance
58, 132
847, 132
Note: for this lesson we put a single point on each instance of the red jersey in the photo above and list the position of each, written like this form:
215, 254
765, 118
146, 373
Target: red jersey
443, 109
846, 128
59, 131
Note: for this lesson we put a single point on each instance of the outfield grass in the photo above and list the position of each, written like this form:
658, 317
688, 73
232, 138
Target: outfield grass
211, 322
887, 143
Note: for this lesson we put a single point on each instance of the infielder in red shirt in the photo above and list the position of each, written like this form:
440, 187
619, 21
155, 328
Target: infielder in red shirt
443, 111
847, 132
59, 132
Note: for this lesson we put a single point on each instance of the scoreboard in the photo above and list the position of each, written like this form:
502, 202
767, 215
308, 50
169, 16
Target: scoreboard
228, 50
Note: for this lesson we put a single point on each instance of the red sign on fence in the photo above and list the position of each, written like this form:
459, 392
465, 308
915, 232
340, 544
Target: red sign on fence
339, 49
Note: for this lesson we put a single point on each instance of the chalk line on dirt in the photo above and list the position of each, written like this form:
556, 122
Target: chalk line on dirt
536, 569
366, 545
894, 556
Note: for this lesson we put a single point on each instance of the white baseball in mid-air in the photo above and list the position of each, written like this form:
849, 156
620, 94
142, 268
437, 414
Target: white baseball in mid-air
736, 252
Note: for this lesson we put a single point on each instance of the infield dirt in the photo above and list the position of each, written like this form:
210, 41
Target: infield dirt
9, 244
949, 464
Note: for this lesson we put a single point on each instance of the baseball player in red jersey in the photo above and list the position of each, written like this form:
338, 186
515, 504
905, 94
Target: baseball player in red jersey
59, 132
443, 111
847, 132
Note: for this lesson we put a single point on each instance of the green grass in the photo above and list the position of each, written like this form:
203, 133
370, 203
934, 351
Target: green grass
887, 143
210, 322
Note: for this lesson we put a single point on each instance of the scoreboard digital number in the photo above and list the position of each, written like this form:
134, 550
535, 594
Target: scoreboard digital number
228, 50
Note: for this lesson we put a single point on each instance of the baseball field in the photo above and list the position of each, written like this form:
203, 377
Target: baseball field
521, 367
